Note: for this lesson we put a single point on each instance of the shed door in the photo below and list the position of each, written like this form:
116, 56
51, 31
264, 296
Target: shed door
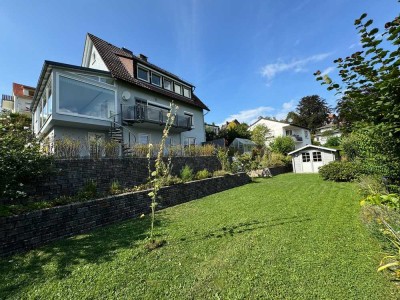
307, 163
317, 161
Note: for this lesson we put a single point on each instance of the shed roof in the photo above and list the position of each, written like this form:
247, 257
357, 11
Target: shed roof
244, 141
312, 146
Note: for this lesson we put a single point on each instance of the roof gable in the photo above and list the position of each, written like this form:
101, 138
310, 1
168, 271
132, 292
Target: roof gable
119, 62
312, 146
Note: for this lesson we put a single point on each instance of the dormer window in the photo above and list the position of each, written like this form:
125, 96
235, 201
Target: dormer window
143, 74
155, 79
167, 84
177, 88
186, 92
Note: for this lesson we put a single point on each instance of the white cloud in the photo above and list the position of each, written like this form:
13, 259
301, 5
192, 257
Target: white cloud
327, 71
249, 116
298, 65
286, 107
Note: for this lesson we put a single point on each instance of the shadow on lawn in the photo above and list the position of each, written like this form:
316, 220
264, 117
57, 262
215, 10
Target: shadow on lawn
59, 258
245, 227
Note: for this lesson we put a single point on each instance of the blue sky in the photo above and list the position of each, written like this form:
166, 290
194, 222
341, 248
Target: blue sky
246, 58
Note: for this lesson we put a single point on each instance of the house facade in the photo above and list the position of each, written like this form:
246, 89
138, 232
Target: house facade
20, 101
116, 95
299, 134
325, 132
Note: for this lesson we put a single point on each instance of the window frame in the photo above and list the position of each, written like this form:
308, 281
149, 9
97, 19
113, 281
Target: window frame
144, 134
187, 89
180, 86
317, 156
86, 81
189, 114
156, 74
306, 157
145, 69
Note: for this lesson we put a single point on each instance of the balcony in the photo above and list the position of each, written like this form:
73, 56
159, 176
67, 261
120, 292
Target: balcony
296, 138
147, 116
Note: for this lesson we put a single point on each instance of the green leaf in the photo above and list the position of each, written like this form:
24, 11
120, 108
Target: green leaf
363, 16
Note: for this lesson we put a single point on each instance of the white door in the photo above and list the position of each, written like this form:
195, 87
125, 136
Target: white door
317, 161
307, 163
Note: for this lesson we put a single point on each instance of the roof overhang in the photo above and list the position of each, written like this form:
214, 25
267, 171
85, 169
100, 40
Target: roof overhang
314, 147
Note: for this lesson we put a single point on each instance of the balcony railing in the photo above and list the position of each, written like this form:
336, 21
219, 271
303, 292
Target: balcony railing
297, 138
147, 114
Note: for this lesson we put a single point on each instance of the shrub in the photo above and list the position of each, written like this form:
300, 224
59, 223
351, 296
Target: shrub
89, 191
223, 158
220, 173
203, 174
115, 187
371, 184
341, 171
333, 141
275, 160
282, 144
21, 159
68, 147
186, 173
389, 200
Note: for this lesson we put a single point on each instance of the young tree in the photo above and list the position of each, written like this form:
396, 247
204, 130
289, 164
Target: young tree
312, 112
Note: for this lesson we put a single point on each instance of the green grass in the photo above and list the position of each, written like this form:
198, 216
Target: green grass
289, 237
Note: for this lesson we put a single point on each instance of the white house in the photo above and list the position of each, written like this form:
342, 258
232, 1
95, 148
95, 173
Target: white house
21, 99
310, 158
299, 134
117, 95
327, 131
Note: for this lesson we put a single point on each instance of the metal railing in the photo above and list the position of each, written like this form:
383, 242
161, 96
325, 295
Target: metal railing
142, 113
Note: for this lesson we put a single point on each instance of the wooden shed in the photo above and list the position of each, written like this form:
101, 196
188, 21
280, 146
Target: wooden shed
310, 158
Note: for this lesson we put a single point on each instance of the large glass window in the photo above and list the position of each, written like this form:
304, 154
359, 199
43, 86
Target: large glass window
80, 98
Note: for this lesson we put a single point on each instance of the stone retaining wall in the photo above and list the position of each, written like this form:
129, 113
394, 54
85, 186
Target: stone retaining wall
71, 175
27, 231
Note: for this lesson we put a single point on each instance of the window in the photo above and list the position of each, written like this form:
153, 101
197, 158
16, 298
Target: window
289, 133
96, 142
190, 141
167, 84
93, 57
316, 156
144, 139
186, 92
177, 88
188, 119
306, 133
143, 74
80, 98
155, 79
31, 93
306, 157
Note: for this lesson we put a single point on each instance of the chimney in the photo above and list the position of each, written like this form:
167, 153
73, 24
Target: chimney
142, 56
127, 50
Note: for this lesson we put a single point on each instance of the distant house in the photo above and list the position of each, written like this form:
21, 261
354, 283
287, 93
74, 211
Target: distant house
23, 96
115, 95
325, 132
212, 127
231, 123
310, 158
300, 135
7, 103
21, 99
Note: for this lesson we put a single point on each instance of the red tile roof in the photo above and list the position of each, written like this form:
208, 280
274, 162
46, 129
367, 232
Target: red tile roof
111, 57
18, 90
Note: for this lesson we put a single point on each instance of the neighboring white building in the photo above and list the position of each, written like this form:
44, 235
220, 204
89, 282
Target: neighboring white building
327, 131
115, 95
310, 158
20, 101
299, 134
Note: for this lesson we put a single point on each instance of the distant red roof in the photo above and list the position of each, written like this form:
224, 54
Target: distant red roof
111, 57
18, 90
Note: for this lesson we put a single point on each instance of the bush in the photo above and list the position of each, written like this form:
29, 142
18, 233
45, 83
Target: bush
89, 191
282, 144
21, 158
186, 173
275, 160
333, 141
115, 188
219, 173
203, 174
371, 184
341, 171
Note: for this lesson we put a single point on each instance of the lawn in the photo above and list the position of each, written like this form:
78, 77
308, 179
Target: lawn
288, 237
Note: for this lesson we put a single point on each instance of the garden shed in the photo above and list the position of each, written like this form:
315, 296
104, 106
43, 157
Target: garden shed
242, 145
310, 158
